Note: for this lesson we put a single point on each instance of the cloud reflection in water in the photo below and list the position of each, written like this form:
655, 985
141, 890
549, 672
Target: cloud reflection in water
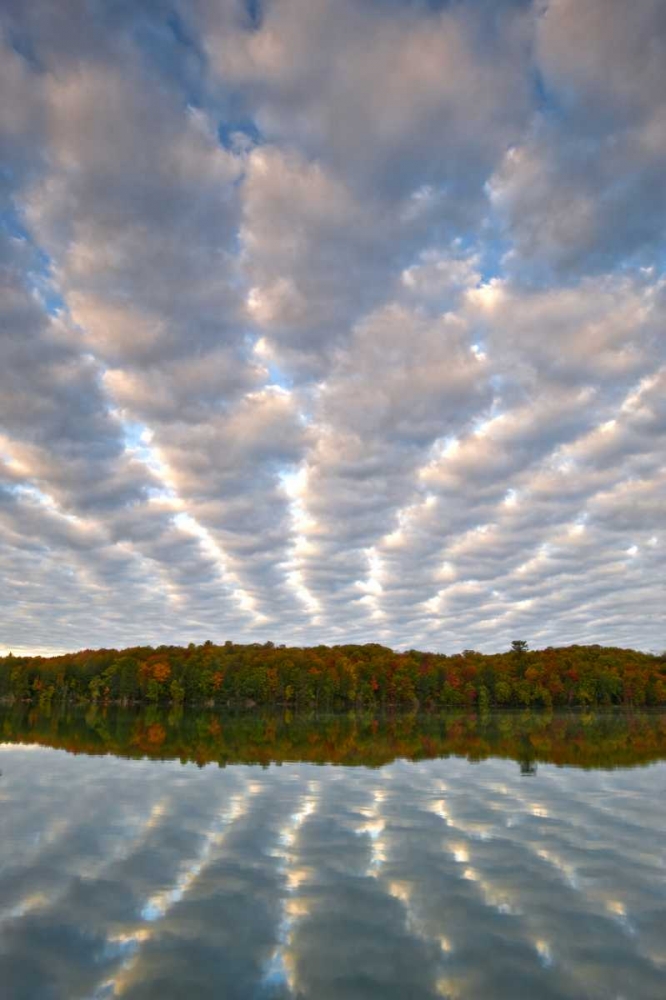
150, 879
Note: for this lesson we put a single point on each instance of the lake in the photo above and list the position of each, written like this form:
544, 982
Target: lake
510, 856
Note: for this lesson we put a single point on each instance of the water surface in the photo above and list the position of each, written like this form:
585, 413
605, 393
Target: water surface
507, 877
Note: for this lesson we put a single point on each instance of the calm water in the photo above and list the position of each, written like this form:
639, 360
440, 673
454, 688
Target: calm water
149, 878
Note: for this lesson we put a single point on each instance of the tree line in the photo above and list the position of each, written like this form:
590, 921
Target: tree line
335, 678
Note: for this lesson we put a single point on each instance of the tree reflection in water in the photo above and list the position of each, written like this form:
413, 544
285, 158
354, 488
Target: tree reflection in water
443, 875
596, 739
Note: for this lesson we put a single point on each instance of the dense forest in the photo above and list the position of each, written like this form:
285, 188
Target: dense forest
582, 739
332, 678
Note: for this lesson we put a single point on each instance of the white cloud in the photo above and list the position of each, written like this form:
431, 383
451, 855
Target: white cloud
345, 322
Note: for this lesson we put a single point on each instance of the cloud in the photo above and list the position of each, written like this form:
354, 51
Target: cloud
391, 97
585, 188
324, 326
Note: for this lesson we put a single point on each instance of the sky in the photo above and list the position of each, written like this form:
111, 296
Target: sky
331, 321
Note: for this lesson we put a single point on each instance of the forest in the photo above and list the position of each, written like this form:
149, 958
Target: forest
338, 678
